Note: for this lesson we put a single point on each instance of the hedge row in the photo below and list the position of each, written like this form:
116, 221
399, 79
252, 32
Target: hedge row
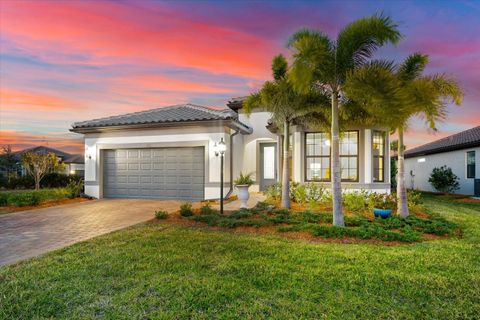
34, 197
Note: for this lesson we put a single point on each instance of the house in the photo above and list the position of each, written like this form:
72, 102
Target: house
460, 152
168, 153
74, 163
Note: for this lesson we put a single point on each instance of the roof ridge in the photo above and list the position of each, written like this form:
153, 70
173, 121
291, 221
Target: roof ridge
133, 113
207, 109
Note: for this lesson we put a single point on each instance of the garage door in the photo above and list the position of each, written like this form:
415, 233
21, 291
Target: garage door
160, 173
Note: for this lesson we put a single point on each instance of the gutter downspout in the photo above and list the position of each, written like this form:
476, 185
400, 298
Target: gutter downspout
229, 193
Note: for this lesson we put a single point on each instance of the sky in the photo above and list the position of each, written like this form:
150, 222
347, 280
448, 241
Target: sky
68, 61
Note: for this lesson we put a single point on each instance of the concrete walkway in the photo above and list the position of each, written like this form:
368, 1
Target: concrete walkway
30, 233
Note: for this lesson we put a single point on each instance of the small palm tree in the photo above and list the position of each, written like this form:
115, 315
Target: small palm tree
404, 93
322, 63
285, 104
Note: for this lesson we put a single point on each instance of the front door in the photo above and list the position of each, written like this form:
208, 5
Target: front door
268, 165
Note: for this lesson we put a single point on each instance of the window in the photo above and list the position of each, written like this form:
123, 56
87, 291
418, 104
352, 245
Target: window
378, 156
349, 155
471, 164
317, 156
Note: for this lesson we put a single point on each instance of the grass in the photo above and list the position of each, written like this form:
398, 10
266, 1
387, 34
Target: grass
160, 271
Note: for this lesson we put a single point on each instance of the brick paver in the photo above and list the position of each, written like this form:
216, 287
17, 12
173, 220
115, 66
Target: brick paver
30, 233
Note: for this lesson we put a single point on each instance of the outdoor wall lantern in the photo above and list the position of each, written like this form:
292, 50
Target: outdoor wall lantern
219, 150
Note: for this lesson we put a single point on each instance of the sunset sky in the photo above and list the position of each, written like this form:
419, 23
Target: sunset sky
67, 61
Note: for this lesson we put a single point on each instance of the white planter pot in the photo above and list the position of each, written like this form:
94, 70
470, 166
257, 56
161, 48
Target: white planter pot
243, 195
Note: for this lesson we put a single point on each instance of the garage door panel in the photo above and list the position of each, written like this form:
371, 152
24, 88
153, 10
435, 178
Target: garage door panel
163, 173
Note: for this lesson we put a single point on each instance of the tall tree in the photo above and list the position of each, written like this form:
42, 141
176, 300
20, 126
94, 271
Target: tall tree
38, 165
404, 93
323, 63
285, 104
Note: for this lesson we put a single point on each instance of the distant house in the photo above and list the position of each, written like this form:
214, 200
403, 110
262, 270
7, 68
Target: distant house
74, 163
460, 152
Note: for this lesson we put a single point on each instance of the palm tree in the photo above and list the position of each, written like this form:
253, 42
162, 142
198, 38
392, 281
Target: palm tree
404, 93
285, 104
323, 63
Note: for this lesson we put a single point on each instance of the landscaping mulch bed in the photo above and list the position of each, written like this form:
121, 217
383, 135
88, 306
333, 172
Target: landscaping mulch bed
47, 204
176, 219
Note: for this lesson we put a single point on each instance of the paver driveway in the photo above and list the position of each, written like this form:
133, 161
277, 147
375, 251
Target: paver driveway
31, 233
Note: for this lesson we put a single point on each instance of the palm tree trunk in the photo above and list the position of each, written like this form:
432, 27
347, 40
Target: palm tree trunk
401, 189
335, 165
285, 169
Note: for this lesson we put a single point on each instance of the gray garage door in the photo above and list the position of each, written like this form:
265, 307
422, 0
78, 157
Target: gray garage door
160, 173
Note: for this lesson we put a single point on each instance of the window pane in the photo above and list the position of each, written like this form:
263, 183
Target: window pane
471, 157
349, 143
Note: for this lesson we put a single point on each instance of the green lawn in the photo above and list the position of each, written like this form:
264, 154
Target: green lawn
163, 272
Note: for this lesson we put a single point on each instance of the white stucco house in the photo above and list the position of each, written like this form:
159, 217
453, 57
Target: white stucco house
168, 153
460, 152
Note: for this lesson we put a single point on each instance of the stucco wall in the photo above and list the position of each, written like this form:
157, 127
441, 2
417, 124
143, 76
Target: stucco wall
456, 160
251, 144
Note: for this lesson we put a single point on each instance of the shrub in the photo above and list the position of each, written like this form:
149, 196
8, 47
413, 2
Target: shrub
382, 201
207, 209
244, 179
327, 198
3, 199
186, 210
444, 180
74, 188
414, 201
161, 214
355, 201
21, 199
314, 192
298, 193
273, 192
263, 206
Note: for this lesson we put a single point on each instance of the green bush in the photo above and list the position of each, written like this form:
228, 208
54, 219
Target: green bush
414, 201
3, 199
298, 193
273, 192
263, 206
315, 192
444, 180
74, 188
186, 210
355, 201
161, 214
207, 209
244, 179
22, 199
51, 180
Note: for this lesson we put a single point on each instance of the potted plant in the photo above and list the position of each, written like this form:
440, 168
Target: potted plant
383, 204
243, 182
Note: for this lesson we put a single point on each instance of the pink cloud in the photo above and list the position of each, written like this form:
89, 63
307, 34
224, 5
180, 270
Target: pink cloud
107, 33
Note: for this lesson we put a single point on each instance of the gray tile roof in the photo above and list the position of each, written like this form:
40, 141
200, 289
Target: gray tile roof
75, 158
177, 113
44, 150
462, 140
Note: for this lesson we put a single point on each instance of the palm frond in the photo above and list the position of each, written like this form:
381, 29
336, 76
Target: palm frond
279, 67
413, 66
313, 54
358, 41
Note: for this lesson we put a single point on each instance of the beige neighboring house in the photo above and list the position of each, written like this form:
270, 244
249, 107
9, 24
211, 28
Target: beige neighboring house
169, 153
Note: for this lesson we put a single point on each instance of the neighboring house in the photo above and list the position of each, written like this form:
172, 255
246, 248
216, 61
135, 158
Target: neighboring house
74, 163
168, 153
460, 152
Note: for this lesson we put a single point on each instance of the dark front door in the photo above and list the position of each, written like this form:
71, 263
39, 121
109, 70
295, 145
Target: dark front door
268, 165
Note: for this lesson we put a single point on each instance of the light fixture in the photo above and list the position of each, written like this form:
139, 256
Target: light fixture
421, 160
72, 172
219, 149
327, 143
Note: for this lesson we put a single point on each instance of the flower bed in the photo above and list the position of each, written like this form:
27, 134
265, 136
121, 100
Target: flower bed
319, 224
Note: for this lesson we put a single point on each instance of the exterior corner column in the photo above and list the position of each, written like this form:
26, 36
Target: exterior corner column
297, 156
368, 156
